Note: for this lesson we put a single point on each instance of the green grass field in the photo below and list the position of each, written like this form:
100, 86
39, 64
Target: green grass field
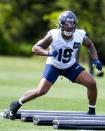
18, 75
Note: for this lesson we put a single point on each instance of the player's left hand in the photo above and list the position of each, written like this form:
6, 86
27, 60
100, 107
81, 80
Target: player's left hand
98, 64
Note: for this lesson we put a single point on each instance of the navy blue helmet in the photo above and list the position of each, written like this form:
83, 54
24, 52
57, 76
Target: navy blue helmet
67, 22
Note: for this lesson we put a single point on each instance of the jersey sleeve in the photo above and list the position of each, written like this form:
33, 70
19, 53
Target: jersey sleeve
54, 33
82, 34
50, 32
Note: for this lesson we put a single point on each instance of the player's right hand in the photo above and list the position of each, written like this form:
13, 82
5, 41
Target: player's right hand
53, 53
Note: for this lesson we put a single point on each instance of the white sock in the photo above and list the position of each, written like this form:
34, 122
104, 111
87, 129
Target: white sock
92, 106
20, 102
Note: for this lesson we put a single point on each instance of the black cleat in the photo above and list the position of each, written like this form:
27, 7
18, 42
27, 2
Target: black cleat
91, 111
14, 106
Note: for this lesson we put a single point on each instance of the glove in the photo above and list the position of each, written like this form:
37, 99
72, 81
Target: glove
53, 53
98, 64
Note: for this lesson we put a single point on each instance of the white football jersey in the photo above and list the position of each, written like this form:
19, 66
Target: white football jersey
67, 49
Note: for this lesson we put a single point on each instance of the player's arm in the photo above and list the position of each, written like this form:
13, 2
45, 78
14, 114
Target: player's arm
40, 48
92, 50
90, 46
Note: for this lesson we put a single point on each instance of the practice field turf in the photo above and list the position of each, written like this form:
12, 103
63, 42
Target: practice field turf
18, 75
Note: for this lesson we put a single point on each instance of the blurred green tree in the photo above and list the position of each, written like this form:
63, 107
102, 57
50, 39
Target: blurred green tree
21, 23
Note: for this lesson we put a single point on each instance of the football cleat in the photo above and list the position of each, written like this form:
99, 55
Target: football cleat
14, 106
91, 111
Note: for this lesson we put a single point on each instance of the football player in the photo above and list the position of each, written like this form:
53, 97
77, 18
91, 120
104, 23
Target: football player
64, 44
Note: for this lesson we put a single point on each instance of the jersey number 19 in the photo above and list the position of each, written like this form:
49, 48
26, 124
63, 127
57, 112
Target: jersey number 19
64, 55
